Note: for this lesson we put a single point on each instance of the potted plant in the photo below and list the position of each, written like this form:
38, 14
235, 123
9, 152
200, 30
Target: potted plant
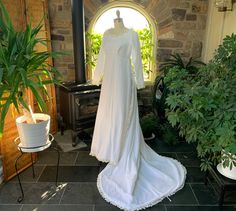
190, 64
160, 89
203, 107
168, 133
23, 69
149, 125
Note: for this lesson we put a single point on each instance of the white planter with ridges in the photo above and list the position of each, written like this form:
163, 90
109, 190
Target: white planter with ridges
34, 135
226, 171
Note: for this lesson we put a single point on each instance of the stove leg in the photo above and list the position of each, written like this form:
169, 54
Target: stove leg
75, 139
61, 124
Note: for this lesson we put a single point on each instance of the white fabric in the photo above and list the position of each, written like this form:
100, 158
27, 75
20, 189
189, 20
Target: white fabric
136, 177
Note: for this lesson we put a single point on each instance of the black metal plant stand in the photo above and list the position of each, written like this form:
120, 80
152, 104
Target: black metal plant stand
31, 150
223, 183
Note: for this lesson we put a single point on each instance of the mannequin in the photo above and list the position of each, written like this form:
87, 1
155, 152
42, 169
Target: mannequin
119, 26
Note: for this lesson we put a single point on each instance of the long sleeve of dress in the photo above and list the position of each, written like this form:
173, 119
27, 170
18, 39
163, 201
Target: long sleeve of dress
99, 69
137, 62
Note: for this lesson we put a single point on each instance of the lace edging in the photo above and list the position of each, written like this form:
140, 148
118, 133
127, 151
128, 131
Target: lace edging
144, 206
102, 160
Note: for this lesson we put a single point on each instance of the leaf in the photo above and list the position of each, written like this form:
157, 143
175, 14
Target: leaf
23, 103
41, 103
1, 74
173, 118
23, 76
4, 111
172, 101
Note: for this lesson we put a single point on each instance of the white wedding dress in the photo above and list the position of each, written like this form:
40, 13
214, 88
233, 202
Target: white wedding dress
135, 176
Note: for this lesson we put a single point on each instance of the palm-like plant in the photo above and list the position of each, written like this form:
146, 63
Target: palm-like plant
22, 68
176, 60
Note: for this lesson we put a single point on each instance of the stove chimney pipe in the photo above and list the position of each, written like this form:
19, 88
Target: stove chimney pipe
78, 40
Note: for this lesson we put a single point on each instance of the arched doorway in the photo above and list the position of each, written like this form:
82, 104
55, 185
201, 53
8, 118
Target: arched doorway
133, 18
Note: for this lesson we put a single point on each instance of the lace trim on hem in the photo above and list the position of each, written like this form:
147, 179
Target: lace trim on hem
144, 206
100, 159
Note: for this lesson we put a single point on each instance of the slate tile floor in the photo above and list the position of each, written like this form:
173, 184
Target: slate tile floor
77, 189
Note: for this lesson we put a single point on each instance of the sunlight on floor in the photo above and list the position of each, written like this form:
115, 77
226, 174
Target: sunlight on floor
49, 194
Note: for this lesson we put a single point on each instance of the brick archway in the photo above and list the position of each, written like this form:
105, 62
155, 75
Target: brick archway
158, 13
180, 26
135, 7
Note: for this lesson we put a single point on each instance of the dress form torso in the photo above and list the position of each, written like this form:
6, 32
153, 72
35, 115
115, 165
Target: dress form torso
119, 26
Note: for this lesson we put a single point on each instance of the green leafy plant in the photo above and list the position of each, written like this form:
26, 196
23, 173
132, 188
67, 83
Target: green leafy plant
94, 40
176, 60
22, 68
169, 134
226, 53
146, 48
161, 89
93, 45
165, 131
203, 107
149, 124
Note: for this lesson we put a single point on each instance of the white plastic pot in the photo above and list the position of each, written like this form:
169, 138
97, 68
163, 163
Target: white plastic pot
34, 135
152, 137
226, 171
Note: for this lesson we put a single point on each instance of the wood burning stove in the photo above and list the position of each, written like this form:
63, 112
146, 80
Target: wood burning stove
78, 107
78, 99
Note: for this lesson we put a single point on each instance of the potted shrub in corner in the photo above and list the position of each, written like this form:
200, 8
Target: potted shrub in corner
149, 124
23, 69
203, 107
167, 133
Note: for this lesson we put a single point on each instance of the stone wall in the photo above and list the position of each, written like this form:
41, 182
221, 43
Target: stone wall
61, 36
180, 27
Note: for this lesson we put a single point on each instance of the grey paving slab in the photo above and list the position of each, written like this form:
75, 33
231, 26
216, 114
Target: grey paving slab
169, 154
27, 175
161, 146
84, 159
205, 194
82, 193
188, 159
10, 207
35, 193
110, 207
70, 174
50, 158
9, 193
107, 207
67, 207
43, 193
183, 196
195, 175
199, 208
230, 197
156, 208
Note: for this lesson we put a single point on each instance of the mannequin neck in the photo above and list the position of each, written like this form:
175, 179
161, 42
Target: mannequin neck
119, 26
